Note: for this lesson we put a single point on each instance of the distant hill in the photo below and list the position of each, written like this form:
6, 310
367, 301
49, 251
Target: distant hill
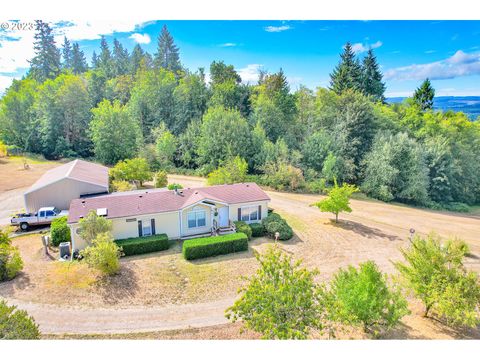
470, 105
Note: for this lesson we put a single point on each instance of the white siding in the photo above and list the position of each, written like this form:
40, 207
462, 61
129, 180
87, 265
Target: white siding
59, 194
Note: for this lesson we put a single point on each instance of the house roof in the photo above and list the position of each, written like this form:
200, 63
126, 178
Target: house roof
135, 203
78, 170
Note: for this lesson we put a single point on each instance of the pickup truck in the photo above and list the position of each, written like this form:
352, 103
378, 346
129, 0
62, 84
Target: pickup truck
44, 216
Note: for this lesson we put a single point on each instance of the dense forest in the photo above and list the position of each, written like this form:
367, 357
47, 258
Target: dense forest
123, 105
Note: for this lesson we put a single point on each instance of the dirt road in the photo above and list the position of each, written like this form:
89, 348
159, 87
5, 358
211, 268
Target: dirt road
54, 319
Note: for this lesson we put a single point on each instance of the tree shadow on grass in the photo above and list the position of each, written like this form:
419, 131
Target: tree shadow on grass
363, 230
120, 287
435, 327
20, 282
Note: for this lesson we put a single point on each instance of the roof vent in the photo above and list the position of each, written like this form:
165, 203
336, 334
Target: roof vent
102, 212
140, 196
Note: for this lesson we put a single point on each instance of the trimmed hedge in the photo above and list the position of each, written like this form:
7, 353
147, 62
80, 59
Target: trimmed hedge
59, 231
242, 227
143, 245
275, 223
214, 245
257, 229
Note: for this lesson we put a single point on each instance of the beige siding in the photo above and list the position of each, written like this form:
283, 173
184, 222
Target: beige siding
59, 194
208, 220
234, 209
165, 223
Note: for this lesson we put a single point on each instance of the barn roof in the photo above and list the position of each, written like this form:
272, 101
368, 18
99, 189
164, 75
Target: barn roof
80, 170
134, 203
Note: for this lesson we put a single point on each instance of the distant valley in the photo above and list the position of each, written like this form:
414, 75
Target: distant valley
470, 105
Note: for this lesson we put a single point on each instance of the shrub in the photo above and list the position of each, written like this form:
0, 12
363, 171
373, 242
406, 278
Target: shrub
59, 231
317, 186
283, 176
275, 223
242, 227
10, 262
103, 255
458, 207
4, 237
3, 149
362, 297
122, 185
257, 229
16, 324
214, 245
174, 186
161, 179
143, 245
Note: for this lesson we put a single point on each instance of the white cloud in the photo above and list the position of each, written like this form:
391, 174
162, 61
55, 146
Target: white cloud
228, 44
140, 38
360, 48
5, 82
460, 64
249, 74
277, 28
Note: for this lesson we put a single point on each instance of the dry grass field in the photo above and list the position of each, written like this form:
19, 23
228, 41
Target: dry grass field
373, 231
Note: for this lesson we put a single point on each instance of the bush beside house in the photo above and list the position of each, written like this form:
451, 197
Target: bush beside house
257, 229
214, 245
274, 223
242, 227
59, 231
143, 245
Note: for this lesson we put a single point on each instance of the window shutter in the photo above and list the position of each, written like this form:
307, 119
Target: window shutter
259, 212
140, 232
239, 214
153, 226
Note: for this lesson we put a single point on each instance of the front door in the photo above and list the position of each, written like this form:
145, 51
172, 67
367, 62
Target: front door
223, 216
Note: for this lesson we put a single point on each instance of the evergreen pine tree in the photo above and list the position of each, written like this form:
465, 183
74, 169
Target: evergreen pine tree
95, 60
136, 58
79, 63
348, 73
46, 62
105, 62
424, 95
372, 77
121, 59
67, 54
167, 55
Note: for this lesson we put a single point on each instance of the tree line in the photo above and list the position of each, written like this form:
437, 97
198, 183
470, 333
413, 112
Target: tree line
125, 105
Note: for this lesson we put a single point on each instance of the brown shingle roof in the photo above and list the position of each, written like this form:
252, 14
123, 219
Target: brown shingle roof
154, 201
78, 170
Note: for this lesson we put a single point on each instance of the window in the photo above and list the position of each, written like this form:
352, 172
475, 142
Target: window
249, 213
196, 218
42, 214
50, 213
146, 228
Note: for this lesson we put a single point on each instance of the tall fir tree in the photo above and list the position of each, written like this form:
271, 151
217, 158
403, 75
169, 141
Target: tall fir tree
121, 59
95, 61
105, 62
67, 54
167, 55
424, 95
79, 63
348, 73
46, 62
136, 58
372, 77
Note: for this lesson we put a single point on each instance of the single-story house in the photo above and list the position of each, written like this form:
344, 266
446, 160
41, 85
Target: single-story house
60, 185
178, 213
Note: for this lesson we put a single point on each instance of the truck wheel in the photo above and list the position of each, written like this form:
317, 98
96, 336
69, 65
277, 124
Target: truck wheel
24, 226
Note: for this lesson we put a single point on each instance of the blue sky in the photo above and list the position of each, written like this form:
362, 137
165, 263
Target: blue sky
408, 51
